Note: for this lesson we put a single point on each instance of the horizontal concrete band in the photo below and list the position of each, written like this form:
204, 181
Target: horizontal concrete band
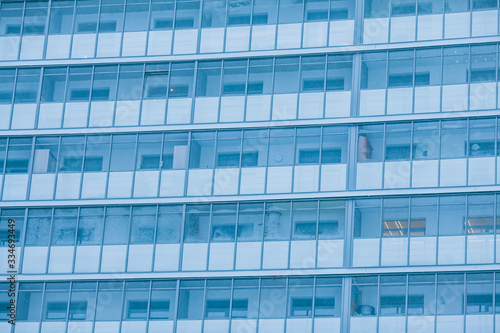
261, 273
360, 120
258, 197
256, 54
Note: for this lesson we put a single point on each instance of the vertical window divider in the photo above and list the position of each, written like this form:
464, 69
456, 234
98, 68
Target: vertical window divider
75, 242
316, 244
130, 210
221, 89
247, 78
66, 84
193, 97
160, 167
46, 31
82, 168
14, 95
117, 80
49, 246
122, 305
30, 166
58, 161
134, 170
91, 93
176, 305
150, 292
70, 289
143, 86
155, 230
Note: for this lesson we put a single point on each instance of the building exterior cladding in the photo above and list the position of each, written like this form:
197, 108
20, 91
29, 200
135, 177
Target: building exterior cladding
238, 166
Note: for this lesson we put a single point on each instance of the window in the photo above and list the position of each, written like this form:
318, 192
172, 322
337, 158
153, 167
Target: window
156, 81
35, 16
234, 78
175, 151
162, 15
392, 295
208, 79
116, 225
328, 298
45, 157
86, 19
281, 147
54, 82
55, 304
313, 73
223, 223
149, 152
79, 84
250, 221
190, 300
136, 300
376, 8
111, 18
18, 216
423, 216
481, 137
286, 75
228, 149
82, 303
479, 293
109, 301
300, 298
264, 12
29, 302
367, 218
403, 7
245, 298
370, 142
483, 63
168, 229
90, 226
104, 84
7, 77
426, 7
316, 10
428, 67
214, 14
290, 11
453, 139
307, 145
238, 12
123, 153
130, 82
277, 221
260, 76
143, 225
181, 80
401, 68
136, 17
71, 154
64, 226
364, 296
187, 14
11, 18
196, 224
425, 141
61, 17
304, 220
162, 300
27, 85
254, 148
395, 217
455, 65
202, 150
398, 142
38, 227
217, 302
373, 71
457, 6
451, 215
339, 72
480, 214
331, 219
421, 294
272, 291
450, 294
97, 153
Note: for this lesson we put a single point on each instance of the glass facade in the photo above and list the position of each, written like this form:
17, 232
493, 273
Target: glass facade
250, 166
